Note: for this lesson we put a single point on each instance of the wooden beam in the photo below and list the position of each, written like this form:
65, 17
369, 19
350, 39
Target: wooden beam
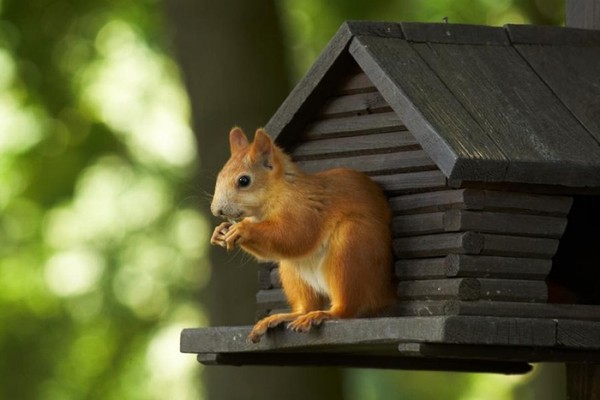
364, 361
583, 381
582, 14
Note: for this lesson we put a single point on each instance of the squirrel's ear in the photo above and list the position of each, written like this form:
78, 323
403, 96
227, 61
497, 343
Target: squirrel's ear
262, 148
237, 140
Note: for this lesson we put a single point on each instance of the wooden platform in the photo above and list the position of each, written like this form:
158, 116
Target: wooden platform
451, 342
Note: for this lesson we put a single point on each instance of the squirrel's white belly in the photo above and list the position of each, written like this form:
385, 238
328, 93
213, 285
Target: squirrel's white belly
311, 271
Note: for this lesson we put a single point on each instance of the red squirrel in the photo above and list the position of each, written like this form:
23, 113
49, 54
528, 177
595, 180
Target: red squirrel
328, 231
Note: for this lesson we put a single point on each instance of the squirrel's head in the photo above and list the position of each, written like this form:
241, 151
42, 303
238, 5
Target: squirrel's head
247, 179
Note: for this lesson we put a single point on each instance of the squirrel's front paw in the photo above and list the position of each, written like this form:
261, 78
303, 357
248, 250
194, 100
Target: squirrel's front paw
218, 236
236, 234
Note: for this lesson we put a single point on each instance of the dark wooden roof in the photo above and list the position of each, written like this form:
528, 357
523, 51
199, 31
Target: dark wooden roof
518, 104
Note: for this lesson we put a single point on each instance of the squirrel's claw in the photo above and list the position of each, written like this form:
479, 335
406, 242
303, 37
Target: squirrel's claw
218, 236
234, 235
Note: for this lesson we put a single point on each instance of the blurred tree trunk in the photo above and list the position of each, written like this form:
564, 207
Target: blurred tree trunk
232, 57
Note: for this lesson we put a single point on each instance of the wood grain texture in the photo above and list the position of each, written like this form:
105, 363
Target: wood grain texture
471, 289
517, 246
513, 290
355, 145
374, 164
355, 125
475, 199
438, 329
439, 289
429, 202
439, 245
353, 359
474, 243
583, 14
492, 330
553, 35
544, 142
583, 379
492, 352
504, 223
445, 129
270, 299
354, 104
572, 74
356, 83
410, 182
454, 33
455, 265
525, 203
479, 221
578, 334
498, 309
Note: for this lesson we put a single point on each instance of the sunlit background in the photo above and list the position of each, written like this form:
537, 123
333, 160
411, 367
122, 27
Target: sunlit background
103, 234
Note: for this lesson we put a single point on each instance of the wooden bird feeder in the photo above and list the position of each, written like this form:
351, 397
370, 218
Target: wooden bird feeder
486, 141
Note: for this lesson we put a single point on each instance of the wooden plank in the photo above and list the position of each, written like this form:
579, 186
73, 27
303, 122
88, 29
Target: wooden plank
355, 145
418, 224
470, 289
354, 104
346, 332
487, 222
513, 290
274, 278
411, 181
572, 74
374, 164
381, 331
553, 35
582, 14
504, 223
475, 199
455, 265
474, 243
578, 334
544, 142
453, 33
522, 202
516, 246
439, 245
429, 201
272, 298
355, 125
497, 309
264, 277
356, 83
497, 267
440, 289
421, 268
357, 360
500, 331
523, 310
445, 129
530, 354
583, 379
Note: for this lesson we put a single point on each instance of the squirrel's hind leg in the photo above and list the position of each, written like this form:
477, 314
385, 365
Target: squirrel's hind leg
261, 327
314, 318
301, 297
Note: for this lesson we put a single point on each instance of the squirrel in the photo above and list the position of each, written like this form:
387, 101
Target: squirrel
330, 232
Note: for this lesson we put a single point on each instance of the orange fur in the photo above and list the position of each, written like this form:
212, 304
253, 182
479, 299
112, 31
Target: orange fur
329, 232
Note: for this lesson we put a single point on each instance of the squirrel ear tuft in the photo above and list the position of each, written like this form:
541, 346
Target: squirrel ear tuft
237, 140
262, 148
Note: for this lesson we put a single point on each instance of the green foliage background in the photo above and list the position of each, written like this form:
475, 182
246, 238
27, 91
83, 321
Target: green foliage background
102, 247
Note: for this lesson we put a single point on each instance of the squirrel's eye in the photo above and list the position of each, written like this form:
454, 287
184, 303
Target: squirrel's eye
243, 181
